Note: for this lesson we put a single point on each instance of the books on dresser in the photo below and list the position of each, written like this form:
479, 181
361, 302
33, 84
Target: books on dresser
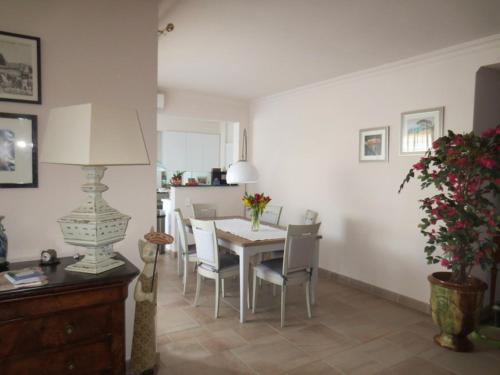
32, 276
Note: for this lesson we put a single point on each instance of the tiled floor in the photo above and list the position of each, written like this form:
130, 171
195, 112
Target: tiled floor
350, 333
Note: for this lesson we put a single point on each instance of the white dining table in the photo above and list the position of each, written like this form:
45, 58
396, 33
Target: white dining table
245, 248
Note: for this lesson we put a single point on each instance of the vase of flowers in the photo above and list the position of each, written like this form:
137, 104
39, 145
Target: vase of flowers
256, 204
460, 224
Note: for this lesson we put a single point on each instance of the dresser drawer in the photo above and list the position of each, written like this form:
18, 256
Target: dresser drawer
31, 335
87, 359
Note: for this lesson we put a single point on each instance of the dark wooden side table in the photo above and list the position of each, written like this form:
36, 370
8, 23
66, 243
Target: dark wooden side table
75, 324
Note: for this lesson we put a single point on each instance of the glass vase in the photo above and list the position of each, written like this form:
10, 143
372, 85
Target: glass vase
255, 219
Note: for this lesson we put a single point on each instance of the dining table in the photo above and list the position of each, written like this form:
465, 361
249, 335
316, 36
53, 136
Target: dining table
234, 233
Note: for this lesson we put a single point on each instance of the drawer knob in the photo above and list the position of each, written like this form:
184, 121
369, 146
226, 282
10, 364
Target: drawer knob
69, 329
71, 366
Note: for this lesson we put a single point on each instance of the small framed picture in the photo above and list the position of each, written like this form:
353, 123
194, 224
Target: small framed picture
374, 144
419, 129
18, 151
20, 68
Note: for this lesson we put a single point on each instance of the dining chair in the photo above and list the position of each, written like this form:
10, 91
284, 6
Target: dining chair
271, 215
204, 210
211, 264
310, 217
295, 268
186, 251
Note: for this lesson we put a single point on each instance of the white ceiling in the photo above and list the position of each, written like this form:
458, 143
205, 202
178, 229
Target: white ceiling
253, 48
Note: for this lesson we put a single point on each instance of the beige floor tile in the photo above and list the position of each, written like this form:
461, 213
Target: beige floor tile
254, 330
415, 366
354, 363
173, 319
182, 351
220, 341
271, 355
318, 340
224, 363
315, 368
359, 327
478, 362
383, 351
411, 341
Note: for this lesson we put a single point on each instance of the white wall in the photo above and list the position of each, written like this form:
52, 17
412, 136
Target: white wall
305, 146
194, 105
103, 51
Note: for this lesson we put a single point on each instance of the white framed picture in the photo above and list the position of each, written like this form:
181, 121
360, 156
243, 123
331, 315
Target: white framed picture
419, 129
374, 144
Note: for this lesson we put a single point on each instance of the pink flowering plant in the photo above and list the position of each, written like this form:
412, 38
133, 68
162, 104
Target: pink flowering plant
461, 218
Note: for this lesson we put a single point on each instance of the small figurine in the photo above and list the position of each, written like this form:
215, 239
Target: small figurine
143, 359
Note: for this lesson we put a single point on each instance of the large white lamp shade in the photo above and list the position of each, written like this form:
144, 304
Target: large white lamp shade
242, 172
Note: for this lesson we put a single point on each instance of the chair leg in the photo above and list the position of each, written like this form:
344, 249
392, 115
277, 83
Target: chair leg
217, 293
222, 287
198, 287
179, 260
283, 295
184, 276
308, 298
254, 292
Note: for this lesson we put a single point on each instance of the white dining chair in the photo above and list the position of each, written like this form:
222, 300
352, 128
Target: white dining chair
271, 215
203, 210
211, 264
310, 217
186, 251
295, 268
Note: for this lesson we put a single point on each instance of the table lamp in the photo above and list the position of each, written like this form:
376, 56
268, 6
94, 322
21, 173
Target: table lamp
94, 136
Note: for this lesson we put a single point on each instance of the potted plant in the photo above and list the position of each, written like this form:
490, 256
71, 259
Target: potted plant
176, 179
461, 221
256, 203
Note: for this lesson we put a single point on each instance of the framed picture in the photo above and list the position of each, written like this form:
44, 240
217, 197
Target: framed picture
20, 68
374, 144
18, 151
419, 129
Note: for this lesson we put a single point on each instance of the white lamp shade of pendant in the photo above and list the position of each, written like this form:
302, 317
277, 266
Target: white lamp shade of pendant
242, 172
93, 134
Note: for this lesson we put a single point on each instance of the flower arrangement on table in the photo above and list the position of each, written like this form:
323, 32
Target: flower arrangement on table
256, 203
463, 221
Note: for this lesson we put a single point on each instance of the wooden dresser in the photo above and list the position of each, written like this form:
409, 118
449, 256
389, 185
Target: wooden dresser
75, 324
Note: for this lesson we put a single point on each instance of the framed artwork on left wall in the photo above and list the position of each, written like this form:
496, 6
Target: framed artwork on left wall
374, 144
20, 79
18, 151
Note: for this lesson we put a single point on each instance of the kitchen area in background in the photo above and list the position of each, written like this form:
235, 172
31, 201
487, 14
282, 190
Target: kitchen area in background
193, 156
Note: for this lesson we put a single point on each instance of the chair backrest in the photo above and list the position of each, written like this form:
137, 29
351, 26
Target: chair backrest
205, 238
311, 217
204, 211
299, 247
271, 215
181, 231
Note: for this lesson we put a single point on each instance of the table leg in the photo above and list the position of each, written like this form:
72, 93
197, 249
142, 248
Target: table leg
314, 277
244, 264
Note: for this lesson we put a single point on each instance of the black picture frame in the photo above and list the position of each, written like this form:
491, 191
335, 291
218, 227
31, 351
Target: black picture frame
10, 71
16, 138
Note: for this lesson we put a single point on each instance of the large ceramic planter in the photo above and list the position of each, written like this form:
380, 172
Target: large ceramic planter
455, 309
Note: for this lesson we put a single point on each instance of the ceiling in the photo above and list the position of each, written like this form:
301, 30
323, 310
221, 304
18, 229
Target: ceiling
253, 48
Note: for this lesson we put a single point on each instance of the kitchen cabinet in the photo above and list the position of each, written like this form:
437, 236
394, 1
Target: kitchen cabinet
190, 151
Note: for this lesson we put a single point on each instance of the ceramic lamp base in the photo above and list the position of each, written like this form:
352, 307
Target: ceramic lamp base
86, 265
98, 259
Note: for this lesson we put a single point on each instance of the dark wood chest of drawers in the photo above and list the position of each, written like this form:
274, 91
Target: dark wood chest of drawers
75, 324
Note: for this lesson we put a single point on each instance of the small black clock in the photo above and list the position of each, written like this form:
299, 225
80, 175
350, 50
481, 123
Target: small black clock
48, 257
